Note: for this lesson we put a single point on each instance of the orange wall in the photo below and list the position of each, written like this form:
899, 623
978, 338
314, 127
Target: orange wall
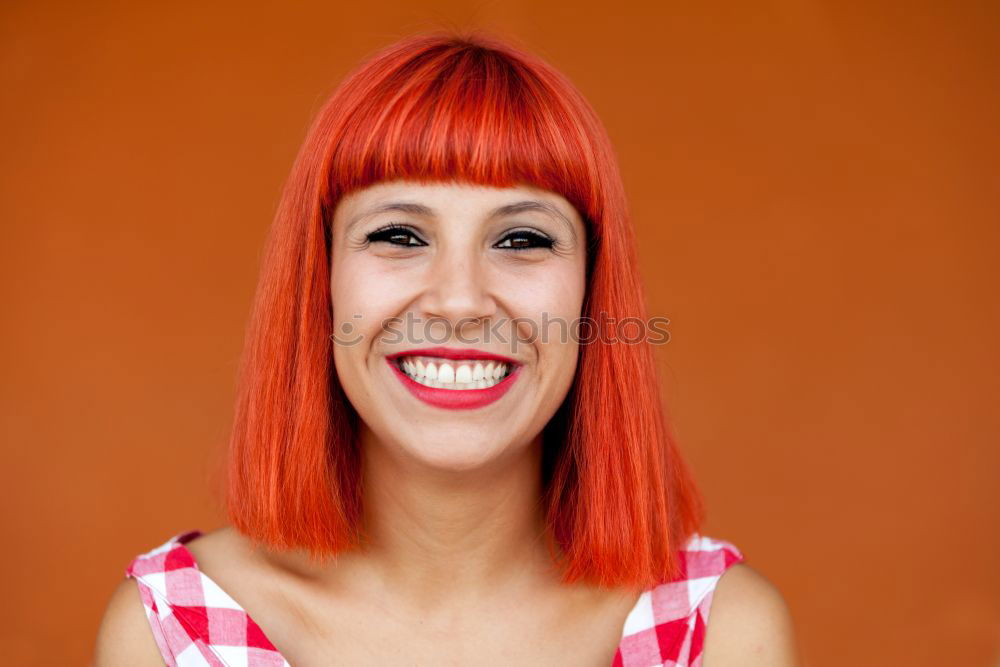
814, 186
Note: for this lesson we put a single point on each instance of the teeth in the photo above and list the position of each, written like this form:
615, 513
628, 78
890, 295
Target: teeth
453, 374
446, 374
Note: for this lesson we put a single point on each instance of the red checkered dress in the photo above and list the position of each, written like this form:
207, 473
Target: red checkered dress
194, 622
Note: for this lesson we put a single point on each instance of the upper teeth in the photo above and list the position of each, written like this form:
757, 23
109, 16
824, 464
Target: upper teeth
453, 373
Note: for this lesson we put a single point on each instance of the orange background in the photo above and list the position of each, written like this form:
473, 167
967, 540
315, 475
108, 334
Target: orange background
815, 190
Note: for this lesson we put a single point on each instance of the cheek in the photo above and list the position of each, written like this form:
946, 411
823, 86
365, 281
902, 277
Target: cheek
553, 295
547, 309
355, 300
363, 295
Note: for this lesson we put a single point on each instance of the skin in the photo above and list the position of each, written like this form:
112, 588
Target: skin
464, 272
454, 490
454, 569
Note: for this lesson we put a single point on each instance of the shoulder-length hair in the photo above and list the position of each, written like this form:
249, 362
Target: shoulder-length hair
618, 499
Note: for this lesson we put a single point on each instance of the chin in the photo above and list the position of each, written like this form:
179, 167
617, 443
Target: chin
454, 453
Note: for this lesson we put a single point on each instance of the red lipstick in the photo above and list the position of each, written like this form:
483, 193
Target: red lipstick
455, 399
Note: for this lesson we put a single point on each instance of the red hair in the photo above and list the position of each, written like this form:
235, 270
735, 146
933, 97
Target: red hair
618, 498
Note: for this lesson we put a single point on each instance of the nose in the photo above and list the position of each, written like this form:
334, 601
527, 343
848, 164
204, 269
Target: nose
458, 289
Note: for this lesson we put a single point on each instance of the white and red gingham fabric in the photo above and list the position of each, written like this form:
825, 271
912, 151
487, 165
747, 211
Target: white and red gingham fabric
667, 625
195, 623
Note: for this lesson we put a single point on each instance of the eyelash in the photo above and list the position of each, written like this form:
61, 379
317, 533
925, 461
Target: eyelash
384, 234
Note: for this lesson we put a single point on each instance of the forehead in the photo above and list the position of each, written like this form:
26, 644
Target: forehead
453, 198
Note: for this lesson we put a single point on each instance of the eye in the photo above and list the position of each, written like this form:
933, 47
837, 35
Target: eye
524, 239
394, 234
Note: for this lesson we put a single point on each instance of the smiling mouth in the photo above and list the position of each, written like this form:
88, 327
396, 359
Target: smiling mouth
455, 374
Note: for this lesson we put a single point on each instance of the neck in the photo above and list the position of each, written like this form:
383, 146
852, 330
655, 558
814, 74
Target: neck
434, 535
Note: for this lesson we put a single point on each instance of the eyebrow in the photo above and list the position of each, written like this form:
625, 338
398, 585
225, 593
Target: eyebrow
507, 209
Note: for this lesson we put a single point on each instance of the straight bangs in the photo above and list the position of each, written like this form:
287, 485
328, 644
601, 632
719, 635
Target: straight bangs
618, 499
451, 111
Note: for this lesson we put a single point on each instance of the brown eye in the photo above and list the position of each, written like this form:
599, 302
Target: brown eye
524, 240
395, 235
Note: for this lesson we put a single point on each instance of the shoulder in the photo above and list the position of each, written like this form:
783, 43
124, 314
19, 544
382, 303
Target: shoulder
124, 637
749, 622
222, 542
227, 556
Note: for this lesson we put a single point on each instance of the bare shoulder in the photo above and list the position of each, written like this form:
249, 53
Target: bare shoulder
749, 623
125, 637
222, 550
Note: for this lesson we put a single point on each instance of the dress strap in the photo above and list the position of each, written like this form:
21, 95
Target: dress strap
667, 625
194, 622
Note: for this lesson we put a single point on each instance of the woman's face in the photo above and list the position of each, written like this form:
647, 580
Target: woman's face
453, 309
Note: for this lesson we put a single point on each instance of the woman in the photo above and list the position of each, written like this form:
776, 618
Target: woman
473, 468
